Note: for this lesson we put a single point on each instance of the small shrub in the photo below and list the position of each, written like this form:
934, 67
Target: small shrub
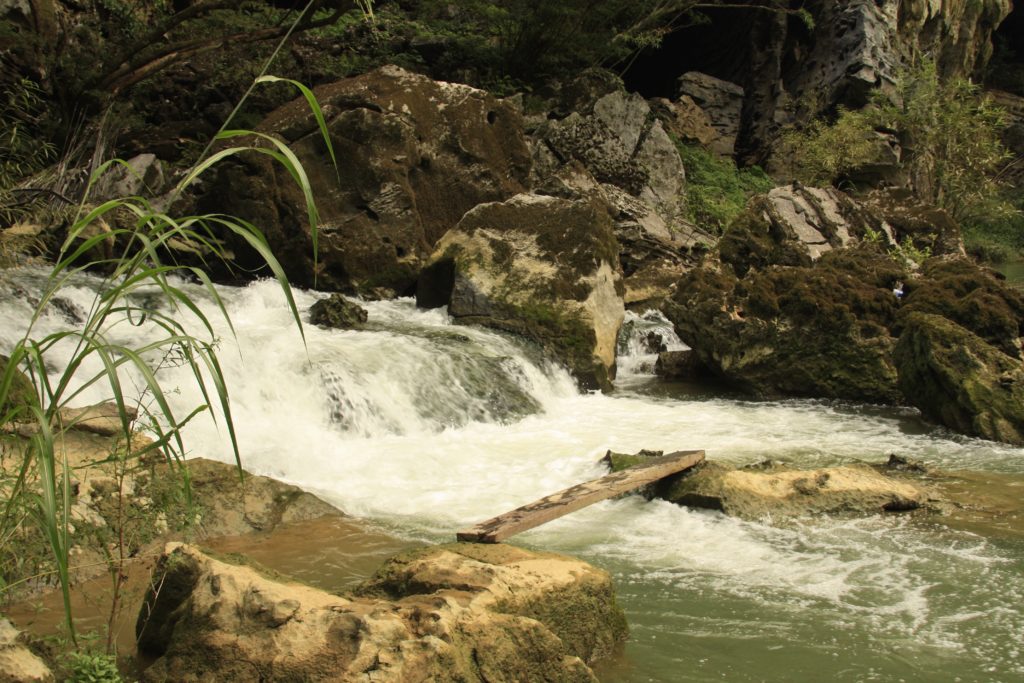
717, 191
949, 134
91, 667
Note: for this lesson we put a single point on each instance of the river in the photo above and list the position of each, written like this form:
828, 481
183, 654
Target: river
424, 427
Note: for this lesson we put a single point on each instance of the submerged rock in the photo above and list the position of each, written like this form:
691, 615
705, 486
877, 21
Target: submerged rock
957, 379
451, 613
677, 365
542, 267
337, 312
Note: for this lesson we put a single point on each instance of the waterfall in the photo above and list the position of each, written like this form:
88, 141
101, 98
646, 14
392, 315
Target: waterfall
427, 427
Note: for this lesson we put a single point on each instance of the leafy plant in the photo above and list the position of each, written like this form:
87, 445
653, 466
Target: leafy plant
949, 134
91, 667
142, 285
716, 190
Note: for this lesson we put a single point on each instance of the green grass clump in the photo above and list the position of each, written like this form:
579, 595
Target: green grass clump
717, 191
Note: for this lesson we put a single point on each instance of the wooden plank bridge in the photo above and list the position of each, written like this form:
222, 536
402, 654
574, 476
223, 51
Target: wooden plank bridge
573, 498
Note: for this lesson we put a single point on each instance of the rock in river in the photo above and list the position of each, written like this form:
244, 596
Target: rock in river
542, 267
460, 612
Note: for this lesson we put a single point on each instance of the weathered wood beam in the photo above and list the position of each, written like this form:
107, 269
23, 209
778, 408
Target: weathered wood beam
573, 498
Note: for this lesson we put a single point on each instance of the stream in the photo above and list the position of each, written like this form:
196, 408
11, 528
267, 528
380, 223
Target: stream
423, 427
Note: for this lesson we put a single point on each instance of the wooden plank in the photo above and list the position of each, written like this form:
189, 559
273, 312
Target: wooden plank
573, 498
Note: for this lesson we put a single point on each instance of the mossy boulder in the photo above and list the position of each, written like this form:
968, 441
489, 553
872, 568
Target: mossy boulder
541, 267
413, 155
818, 330
795, 225
459, 612
973, 297
959, 380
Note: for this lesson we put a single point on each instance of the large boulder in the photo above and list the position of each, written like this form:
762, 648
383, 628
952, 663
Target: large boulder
772, 490
413, 156
543, 267
958, 379
615, 147
818, 330
794, 225
449, 613
721, 102
973, 297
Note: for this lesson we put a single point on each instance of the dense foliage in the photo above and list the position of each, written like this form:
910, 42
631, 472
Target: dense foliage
716, 190
948, 132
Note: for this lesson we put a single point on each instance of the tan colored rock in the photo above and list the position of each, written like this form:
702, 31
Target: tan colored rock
539, 266
686, 120
774, 491
17, 663
103, 419
450, 613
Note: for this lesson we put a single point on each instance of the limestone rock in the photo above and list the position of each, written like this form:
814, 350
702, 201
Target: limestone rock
772, 491
338, 312
722, 103
616, 149
775, 491
539, 266
232, 503
413, 156
142, 175
17, 663
459, 612
685, 119
795, 225
103, 419
957, 379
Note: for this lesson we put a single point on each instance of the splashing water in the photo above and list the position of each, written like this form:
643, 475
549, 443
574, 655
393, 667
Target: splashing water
426, 427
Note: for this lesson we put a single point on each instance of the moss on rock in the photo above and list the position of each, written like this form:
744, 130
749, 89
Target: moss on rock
957, 379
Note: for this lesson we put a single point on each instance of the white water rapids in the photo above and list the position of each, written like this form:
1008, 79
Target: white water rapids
424, 428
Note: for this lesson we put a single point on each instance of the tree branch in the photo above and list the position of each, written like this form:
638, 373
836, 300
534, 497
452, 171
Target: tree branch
143, 66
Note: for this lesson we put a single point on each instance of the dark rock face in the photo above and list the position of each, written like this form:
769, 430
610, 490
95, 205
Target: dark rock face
959, 380
542, 267
853, 48
338, 312
678, 365
413, 156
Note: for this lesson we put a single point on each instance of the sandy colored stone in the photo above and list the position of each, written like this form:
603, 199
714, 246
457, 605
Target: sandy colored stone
17, 663
458, 612
777, 491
